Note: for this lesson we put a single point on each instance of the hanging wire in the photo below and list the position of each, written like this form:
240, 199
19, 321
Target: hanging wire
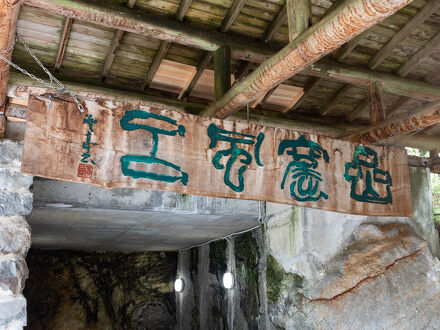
54, 83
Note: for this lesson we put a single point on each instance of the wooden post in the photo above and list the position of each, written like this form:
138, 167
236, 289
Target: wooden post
222, 71
375, 102
298, 17
8, 21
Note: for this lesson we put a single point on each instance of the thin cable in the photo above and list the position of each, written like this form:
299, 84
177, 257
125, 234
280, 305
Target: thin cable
60, 89
224, 237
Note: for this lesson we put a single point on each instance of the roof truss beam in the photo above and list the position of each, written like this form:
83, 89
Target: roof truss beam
343, 23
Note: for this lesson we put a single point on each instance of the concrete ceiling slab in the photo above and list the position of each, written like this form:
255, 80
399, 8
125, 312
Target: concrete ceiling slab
76, 216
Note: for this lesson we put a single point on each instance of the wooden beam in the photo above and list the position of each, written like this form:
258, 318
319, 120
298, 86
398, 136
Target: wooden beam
268, 94
275, 25
63, 43
430, 8
346, 89
342, 24
375, 102
429, 48
311, 86
433, 77
163, 48
147, 24
298, 16
349, 46
200, 68
243, 71
111, 53
392, 127
183, 8
359, 76
233, 12
361, 107
8, 22
222, 71
401, 101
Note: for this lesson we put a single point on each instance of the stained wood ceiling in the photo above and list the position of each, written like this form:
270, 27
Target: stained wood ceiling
405, 44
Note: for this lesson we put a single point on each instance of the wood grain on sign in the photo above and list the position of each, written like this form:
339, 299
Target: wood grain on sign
141, 147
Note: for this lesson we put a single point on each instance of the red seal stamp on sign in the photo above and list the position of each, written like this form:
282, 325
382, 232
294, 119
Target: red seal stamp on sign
85, 170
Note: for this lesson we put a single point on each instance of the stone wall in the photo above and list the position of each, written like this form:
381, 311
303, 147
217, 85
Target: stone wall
15, 203
111, 290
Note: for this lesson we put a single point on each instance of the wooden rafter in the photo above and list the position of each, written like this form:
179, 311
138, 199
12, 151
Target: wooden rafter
183, 9
359, 76
349, 46
111, 53
275, 25
232, 14
401, 102
419, 119
430, 8
311, 86
244, 70
344, 91
423, 53
154, 26
63, 43
163, 48
342, 24
200, 68
352, 115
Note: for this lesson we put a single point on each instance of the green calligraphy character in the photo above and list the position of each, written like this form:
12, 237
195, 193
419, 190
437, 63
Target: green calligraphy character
364, 165
127, 124
234, 153
306, 179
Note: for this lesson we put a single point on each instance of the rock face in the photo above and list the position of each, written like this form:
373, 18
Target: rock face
15, 236
330, 270
90, 290
384, 277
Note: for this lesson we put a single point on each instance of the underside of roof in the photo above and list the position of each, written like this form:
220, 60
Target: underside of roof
78, 50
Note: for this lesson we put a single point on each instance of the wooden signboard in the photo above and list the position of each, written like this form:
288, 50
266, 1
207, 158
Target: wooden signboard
126, 146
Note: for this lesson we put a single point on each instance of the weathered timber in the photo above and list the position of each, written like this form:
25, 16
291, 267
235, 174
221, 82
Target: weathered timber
352, 115
63, 43
243, 70
401, 101
433, 77
177, 152
349, 46
222, 71
342, 24
429, 129
375, 102
392, 84
155, 26
183, 8
232, 14
268, 94
429, 48
8, 20
311, 86
298, 17
200, 68
344, 91
275, 25
430, 8
156, 63
21, 87
16, 112
111, 53
419, 119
